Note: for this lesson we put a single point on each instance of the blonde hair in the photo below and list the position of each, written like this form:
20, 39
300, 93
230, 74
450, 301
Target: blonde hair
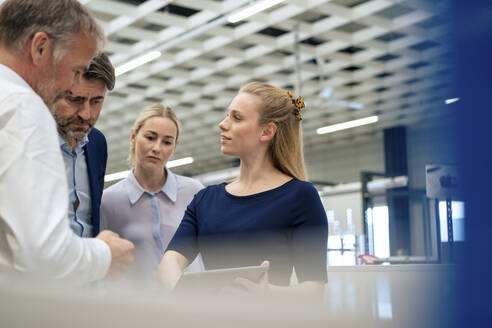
285, 149
155, 110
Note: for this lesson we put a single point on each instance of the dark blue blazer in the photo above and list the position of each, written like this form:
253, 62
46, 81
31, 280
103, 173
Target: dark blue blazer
96, 156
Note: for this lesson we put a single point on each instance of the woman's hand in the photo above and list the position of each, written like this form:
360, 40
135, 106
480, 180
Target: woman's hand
306, 291
243, 286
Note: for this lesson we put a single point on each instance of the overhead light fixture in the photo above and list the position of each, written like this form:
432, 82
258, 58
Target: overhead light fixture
180, 162
252, 10
123, 174
116, 176
233, 18
139, 61
215, 177
326, 92
343, 103
347, 125
156, 53
356, 105
451, 100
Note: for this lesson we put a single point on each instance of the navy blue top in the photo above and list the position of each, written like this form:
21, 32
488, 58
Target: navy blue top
286, 225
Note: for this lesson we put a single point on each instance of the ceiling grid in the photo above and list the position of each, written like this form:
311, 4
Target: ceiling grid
376, 57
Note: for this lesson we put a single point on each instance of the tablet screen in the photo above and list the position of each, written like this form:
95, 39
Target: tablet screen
214, 280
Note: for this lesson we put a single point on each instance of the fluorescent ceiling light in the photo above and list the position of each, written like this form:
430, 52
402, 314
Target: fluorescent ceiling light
217, 176
233, 18
139, 61
356, 106
347, 125
326, 92
452, 100
180, 162
116, 176
343, 103
252, 10
123, 174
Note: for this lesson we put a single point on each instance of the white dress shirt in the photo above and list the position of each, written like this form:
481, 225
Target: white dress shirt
148, 220
35, 235
78, 187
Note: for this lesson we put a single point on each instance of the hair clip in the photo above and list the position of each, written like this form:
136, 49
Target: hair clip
298, 103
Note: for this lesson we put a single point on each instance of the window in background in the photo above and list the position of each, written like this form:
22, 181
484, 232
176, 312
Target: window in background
345, 227
341, 240
378, 222
458, 209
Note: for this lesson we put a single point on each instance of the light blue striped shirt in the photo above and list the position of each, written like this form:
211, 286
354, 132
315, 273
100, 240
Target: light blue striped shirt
78, 186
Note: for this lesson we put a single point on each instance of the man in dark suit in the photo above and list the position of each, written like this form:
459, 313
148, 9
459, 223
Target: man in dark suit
83, 147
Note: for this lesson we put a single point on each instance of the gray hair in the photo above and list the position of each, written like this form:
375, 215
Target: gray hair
59, 19
101, 68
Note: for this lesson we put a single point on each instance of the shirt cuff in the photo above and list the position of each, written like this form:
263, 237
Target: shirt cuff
103, 261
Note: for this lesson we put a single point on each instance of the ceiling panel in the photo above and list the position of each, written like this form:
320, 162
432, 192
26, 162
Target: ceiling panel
348, 59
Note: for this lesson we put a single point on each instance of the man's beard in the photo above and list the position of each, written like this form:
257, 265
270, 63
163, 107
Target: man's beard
63, 125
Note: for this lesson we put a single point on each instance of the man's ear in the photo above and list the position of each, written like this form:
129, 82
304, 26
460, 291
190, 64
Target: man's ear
269, 131
41, 48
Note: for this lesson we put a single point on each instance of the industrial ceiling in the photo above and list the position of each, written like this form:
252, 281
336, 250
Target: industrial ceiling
349, 59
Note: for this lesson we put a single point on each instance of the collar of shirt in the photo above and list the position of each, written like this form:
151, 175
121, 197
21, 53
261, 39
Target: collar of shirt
11, 75
135, 190
67, 148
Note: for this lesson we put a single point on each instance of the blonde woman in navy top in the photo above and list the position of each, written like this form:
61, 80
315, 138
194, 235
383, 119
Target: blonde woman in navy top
269, 213
148, 205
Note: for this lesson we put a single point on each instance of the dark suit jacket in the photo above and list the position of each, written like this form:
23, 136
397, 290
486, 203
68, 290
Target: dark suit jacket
96, 156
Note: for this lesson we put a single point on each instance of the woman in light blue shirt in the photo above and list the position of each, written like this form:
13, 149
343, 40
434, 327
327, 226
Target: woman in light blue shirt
148, 205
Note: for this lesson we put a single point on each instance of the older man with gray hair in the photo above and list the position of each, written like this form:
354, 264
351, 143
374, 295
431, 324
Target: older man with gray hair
45, 45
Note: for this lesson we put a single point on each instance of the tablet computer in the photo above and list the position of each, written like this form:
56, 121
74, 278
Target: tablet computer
214, 280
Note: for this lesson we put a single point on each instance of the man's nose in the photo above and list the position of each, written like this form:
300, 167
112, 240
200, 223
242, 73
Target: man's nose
85, 111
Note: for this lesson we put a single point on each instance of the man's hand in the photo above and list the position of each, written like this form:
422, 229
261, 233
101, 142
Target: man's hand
121, 253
